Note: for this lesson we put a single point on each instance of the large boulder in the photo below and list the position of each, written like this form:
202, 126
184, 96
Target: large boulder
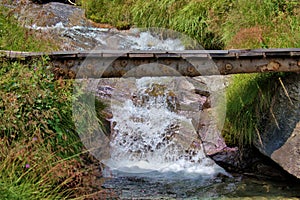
280, 138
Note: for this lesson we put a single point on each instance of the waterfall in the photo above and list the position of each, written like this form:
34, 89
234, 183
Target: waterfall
149, 134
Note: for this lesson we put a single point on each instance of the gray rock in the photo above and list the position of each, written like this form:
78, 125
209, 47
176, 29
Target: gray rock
281, 135
51, 14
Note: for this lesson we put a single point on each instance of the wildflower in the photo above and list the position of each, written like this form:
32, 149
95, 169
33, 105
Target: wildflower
27, 166
34, 139
35, 69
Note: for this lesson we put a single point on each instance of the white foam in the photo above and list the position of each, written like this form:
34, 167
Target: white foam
146, 41
139, 141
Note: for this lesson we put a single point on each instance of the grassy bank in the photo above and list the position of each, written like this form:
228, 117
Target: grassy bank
41, 154
214, 24
219, 24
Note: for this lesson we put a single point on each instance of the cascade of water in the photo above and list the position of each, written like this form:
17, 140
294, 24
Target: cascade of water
149, 134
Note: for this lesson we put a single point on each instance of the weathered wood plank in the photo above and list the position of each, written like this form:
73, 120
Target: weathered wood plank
116, 63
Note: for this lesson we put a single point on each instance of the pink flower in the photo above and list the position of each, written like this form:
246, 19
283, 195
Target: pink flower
34, 139
27, 166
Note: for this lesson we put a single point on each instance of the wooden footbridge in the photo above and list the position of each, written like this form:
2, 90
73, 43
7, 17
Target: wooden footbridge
104, 63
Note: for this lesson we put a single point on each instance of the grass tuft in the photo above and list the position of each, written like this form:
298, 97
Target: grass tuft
249, 104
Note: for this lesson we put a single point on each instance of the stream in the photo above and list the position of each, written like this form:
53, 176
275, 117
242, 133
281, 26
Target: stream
154, 150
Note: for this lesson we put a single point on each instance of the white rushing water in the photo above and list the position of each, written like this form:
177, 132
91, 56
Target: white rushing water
149, 135
88, 38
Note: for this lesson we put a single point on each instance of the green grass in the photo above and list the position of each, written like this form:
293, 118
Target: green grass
36, 129
214, 24
260, 24
189, 17
41, 154
249, 100
34, 104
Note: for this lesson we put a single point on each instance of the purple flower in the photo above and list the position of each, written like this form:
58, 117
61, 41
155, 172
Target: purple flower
35, 69
34, 139
27, 166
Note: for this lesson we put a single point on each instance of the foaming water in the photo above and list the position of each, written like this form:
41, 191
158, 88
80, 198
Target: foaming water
88, 38
149, 134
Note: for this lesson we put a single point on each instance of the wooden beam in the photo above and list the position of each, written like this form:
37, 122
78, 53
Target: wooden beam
114, 63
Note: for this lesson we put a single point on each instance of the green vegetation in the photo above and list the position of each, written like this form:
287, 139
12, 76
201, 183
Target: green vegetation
249, 102
41, 154
262, 24
37, 133
215, 24
256, 24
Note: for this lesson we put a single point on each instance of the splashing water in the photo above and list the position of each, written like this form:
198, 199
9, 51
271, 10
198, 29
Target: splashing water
87, 38
149, 135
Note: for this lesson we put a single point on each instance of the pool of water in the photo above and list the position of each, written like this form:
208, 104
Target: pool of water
180, 185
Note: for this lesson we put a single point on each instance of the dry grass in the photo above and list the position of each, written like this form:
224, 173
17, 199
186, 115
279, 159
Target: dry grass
248, 37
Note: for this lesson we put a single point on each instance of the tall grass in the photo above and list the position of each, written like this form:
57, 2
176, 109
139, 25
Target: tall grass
249, 100
36, 130
189, 17
116, 12
41, 154
214, 24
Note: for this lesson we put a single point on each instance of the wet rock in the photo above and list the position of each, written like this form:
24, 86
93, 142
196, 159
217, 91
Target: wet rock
288, 155
189, 96
66, 24
228, 158
48, 1
281, 133
250, 162
51, 14
209, 132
